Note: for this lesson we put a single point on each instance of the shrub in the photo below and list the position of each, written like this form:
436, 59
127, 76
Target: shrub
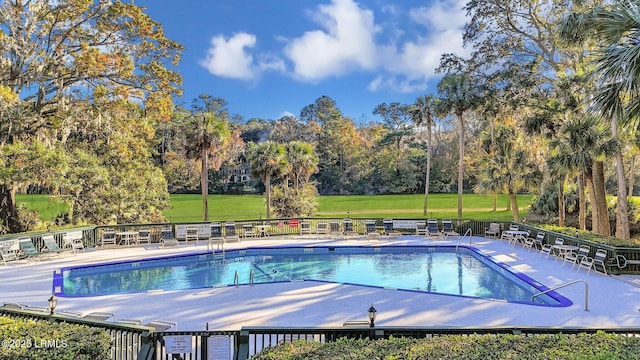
582, 346
30, 340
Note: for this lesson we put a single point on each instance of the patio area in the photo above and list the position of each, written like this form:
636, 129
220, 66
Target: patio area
613, 301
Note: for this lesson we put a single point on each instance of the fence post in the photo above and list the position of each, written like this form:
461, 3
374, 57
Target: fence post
243, 345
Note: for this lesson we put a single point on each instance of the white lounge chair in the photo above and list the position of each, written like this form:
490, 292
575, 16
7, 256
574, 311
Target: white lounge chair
432, 228
248, 231
215, 236
230, 231
9, 251
108, 237
322, 228
73, 240
421, 228
305, 228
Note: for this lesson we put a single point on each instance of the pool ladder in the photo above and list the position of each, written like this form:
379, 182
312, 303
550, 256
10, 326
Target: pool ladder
236, 277
465, 234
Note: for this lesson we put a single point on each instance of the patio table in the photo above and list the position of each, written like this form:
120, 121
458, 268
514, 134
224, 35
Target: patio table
262, 229
127, 237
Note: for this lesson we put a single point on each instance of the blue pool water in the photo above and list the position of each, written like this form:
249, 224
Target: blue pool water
434, 269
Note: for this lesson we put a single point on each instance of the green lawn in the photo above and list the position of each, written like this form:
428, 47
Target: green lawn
188, 207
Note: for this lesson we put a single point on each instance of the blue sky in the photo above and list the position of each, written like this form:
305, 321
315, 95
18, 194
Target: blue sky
271, 58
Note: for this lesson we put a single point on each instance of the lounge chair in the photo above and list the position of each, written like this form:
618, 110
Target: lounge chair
215, 236
322, 228
50, 244
421, 228
167, 238
305, 228
432, 228
230, 231
447, 228
492, 231
248, 231
27, 248
599, 258
161, 325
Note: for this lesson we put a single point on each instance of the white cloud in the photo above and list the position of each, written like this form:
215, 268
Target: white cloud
228, 57
346, 43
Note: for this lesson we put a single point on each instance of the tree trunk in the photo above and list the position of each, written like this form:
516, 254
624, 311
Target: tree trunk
427, 177
204, 184
561, 204
632, 175
582, 203
588, 174
267, 192
514, 205
8, 210
495, 202
622, 207
601, 198
460, 165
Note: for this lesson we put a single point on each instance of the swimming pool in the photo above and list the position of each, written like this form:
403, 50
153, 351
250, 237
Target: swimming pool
430, 269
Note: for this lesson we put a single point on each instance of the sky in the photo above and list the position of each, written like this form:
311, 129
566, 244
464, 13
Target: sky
269, 59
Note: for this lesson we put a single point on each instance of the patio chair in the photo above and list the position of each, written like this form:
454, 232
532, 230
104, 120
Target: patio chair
447, 228
191, 233
9, 251
27, 248
334, 227
589, 263
348, 227
370, 228
322, 228
73, 241
305, 227
215, 236
536, 242
108, 237
432, 228
576, 257
248, 231
230, 231
167, 238
388, 226
548, 248
421, 228
144, 236
492, 231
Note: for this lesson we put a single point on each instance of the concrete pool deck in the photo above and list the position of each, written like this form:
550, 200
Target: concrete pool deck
613, 301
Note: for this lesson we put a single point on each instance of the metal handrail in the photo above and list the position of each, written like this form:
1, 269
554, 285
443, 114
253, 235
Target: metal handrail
586, 291
465, 234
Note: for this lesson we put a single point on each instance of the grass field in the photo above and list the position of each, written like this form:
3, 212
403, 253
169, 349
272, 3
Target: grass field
188, 207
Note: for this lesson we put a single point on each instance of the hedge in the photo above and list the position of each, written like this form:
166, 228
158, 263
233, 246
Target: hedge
481, 347
43, 340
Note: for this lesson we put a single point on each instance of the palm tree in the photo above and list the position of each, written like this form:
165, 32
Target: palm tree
422, 113
207, 136
303, 162
617, 74
267, 160
456, 96
507, 165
